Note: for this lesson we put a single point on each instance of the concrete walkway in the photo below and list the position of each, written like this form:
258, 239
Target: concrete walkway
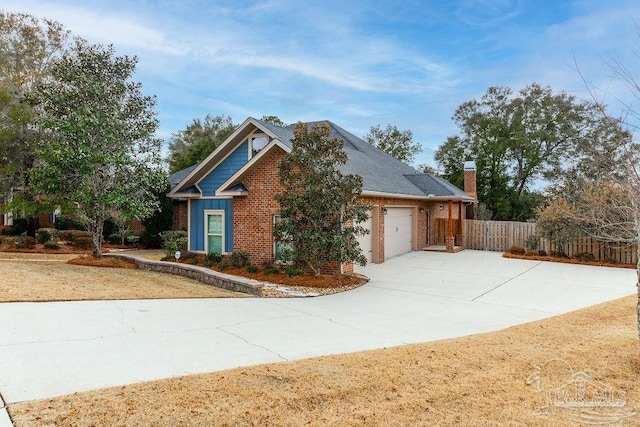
49, 349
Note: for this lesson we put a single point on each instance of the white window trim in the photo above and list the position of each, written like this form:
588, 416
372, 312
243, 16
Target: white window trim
208, 212
250, 139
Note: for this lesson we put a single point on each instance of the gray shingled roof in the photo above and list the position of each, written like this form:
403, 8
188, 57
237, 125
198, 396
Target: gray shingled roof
430, 184
175, 178
380, 171
384, 173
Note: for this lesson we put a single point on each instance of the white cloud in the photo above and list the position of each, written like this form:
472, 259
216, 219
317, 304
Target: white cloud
100, 26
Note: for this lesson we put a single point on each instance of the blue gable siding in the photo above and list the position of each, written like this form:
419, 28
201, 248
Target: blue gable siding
210, 183
196, 222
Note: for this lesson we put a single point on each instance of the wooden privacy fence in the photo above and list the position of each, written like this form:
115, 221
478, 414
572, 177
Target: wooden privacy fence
441, 230
501, 235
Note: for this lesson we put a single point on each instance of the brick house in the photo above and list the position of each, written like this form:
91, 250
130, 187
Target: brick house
228, 199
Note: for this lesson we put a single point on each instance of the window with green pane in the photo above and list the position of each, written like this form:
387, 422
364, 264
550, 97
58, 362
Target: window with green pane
215, 234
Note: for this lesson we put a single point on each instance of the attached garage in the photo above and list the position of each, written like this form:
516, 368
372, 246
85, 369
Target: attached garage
398, 231
366, 241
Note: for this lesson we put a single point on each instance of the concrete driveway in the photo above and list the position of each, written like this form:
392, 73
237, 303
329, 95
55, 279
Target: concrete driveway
49, 349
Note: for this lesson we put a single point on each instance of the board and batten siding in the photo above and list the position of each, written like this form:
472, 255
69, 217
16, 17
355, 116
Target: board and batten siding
196, 221
237, 159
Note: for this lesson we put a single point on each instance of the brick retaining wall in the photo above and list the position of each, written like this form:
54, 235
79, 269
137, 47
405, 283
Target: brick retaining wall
201, 274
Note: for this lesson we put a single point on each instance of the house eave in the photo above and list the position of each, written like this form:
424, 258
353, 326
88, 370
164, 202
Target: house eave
426, 198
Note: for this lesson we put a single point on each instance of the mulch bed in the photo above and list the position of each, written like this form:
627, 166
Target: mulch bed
568, 260
90, 261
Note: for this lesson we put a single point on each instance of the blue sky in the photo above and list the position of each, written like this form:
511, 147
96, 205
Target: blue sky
358, 63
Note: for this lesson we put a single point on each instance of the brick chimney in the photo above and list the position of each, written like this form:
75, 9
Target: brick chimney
470, 180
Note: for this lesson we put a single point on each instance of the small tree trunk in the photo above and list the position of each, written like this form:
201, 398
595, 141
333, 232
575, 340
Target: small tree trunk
31, 226
96, 227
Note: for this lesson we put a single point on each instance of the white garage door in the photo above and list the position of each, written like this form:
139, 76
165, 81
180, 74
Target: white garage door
366, 241
398, 231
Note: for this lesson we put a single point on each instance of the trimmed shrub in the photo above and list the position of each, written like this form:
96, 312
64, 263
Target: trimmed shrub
208, 263
271, 270
51, 245
9, 231
83, 243
293, 272
213, 257
192, 261
71, 235
516, 250
24, 242
133, 239
251, 268
223, 266
239, 259
44, 235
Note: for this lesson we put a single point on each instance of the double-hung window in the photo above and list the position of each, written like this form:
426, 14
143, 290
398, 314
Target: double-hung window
214, 231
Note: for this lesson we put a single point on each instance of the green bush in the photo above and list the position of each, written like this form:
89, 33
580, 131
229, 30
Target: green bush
44, 235
71, 235
51, 245
192, 261
213, 257
173, 241
83, 242
293, 272
223, 266
239, 259
532, 242
251, 268
208, 263
24, 242
271, 270
8, 231
133, 239
516, 250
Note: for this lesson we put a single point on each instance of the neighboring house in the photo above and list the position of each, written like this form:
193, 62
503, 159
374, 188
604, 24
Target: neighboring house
230, 205
179, 203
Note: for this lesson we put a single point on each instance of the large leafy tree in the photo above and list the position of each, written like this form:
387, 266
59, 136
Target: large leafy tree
193, 144
273, 120
27, 47
517, 141
99, 154
395, 142
319, 206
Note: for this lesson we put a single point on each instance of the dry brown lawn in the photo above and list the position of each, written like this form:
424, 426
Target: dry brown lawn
478, 380
46, 277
